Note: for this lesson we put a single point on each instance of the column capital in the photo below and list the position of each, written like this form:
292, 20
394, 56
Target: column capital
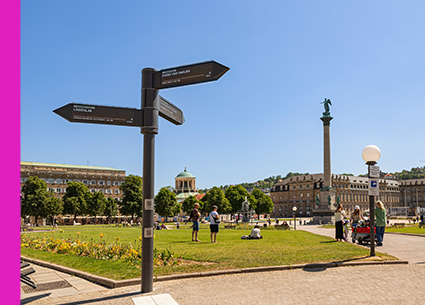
326, 120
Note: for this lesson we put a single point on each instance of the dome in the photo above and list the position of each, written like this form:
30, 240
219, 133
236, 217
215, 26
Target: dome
185, 174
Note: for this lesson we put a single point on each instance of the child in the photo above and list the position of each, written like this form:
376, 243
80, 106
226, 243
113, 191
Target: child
345, 227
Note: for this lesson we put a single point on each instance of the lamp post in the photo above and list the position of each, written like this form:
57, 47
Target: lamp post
294, 210
371, 154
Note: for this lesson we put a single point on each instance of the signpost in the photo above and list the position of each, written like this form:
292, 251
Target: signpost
82, 113
188, 75
153, 106
170, 112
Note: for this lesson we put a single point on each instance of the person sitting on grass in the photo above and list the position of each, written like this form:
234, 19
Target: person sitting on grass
255, 234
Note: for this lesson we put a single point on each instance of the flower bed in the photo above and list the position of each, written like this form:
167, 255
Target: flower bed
127, 253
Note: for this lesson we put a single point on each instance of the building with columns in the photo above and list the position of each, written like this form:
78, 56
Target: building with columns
302, 191
185, 186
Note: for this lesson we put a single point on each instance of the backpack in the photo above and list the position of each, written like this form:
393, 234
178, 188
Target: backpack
192, 214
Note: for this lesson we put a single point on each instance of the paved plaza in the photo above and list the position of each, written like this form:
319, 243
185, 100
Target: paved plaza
375, 284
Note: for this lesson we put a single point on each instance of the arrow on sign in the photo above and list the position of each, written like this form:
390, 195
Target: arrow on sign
169, 111
188, 75
94, 114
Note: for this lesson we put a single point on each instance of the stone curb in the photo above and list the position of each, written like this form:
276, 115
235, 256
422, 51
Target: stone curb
115, 284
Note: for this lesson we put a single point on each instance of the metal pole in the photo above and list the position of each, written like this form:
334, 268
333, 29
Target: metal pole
149, 130
371, 214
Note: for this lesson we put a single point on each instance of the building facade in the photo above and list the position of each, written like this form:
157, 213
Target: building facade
101, 179
412, 193
301, 192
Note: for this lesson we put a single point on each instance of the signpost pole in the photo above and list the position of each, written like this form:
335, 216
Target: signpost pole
149, 130
371, 213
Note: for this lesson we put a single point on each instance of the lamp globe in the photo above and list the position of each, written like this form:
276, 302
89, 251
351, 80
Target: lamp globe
371, 153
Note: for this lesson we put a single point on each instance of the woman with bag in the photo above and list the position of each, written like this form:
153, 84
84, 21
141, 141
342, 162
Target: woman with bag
214, 222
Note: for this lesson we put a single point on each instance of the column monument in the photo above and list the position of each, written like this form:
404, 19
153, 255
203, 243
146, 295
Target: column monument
325, 202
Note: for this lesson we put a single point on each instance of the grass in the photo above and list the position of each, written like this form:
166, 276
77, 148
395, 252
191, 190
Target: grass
414, 229
276, 248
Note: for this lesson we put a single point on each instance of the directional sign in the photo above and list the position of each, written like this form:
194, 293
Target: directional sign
188, 75
373, 187
95, 114
170, 112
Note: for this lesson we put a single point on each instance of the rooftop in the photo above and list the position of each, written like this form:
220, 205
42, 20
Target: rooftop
25, 163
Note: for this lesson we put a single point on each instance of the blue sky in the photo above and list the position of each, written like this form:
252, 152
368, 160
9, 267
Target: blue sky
261, 118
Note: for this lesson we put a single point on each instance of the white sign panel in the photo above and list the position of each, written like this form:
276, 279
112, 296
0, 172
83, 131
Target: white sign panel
148, 233
373, 187
374, 171
149, 204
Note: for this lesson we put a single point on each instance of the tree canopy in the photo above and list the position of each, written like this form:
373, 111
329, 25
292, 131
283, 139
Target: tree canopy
215, 196
76, 199
132, 199
37, 201
236, 195
166, 203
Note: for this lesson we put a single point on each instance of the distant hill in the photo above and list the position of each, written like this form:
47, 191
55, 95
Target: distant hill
414, 173
267, 183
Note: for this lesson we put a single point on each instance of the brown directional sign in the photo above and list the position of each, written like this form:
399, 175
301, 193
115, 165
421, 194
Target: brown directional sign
188, 75
170, 112
95, 114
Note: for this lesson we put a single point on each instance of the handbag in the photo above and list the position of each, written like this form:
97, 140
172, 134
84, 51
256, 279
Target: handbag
216, 221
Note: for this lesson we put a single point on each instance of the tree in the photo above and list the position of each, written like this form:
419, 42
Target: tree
166, 203
264, 202
236, 195
96, 205
132, 200
111, 208
189, 204
76, 199
215, 196
37, 201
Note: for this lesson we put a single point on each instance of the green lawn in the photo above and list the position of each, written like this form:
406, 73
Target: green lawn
276, 248
408, 229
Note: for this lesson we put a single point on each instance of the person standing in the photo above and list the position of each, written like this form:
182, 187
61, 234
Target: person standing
214, 224
355, 217
339, 215
380, 215
194, 215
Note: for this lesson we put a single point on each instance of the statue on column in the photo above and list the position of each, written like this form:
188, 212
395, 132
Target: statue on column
326, 103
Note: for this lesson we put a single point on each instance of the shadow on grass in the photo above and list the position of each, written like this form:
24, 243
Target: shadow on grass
328, 242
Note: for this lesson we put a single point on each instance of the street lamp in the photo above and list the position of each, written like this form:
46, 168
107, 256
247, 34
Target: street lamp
371, 154
294, 210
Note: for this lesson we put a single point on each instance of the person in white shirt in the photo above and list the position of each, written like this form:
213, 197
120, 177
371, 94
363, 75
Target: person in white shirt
339, 215
215, 220
255, 233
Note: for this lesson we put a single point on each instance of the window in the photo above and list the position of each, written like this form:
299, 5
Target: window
85, 182
307, 209
101, 182
92, 190
117, 191
93, 182
108, 191
301, 186
300, 209
116, 183
308, 186
58, 190
408, 189
286, 209
274, 198
108, 183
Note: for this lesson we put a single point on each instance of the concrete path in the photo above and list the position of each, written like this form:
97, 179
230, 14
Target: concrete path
379, 284
405, 247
